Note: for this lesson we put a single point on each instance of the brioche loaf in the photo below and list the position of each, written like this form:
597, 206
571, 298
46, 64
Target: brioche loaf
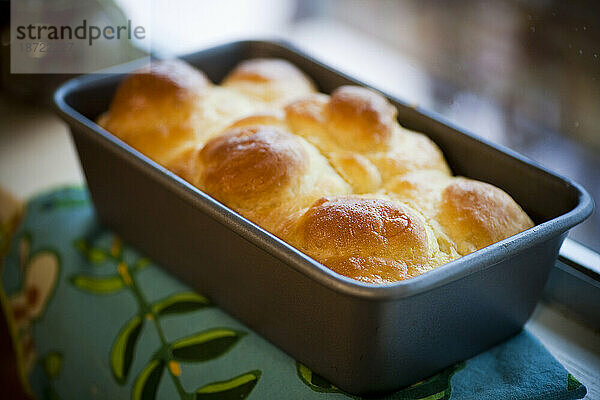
334, 175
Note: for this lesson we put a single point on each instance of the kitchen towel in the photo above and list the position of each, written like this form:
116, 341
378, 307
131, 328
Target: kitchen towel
92, 318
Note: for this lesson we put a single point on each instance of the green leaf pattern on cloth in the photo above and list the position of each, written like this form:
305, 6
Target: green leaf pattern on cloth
199, 347
572, 383
180, 303
121, 355
232, 389
315, 381
437, 387
204, 346
98, 285
146, 384
111, 324
93, 255
51, 365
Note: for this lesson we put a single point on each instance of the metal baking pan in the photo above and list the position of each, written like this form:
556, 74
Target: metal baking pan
365, 339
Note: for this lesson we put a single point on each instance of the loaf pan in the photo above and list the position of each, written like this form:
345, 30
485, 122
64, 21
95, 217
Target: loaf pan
365, 339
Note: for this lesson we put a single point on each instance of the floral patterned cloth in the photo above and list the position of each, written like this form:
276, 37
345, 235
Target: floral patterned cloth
92, 318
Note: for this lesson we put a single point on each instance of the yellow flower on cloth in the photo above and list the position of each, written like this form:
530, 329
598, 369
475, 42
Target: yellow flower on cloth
40, 273
11, 210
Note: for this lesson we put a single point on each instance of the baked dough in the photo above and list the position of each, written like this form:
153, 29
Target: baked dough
334, 175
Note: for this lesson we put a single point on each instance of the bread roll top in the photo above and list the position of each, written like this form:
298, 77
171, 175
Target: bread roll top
153, 108
371, 239
270, 80
334, 175
356, 129
168, 106
476, 214
252, 162
360, 119
265, 172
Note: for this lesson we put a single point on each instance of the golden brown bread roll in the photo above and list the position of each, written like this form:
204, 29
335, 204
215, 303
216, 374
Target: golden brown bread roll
153, 109
420, 188
469, 213
373, 240
270, 80
264, 172
163, 108
360, 121
357, 170
335, 176
476, 214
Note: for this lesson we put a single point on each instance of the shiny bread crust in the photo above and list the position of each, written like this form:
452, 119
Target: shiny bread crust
335, 175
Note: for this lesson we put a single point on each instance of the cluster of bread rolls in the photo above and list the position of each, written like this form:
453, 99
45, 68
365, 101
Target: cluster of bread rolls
334, 175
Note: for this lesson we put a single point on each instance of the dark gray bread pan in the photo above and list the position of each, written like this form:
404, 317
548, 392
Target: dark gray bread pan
365, 339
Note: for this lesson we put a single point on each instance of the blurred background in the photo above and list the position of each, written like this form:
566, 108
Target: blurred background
522, 73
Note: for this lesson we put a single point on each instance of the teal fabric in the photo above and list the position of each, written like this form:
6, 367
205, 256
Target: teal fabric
95, 319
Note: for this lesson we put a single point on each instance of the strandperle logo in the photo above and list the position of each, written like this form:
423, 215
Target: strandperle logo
77, 36
84, 31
